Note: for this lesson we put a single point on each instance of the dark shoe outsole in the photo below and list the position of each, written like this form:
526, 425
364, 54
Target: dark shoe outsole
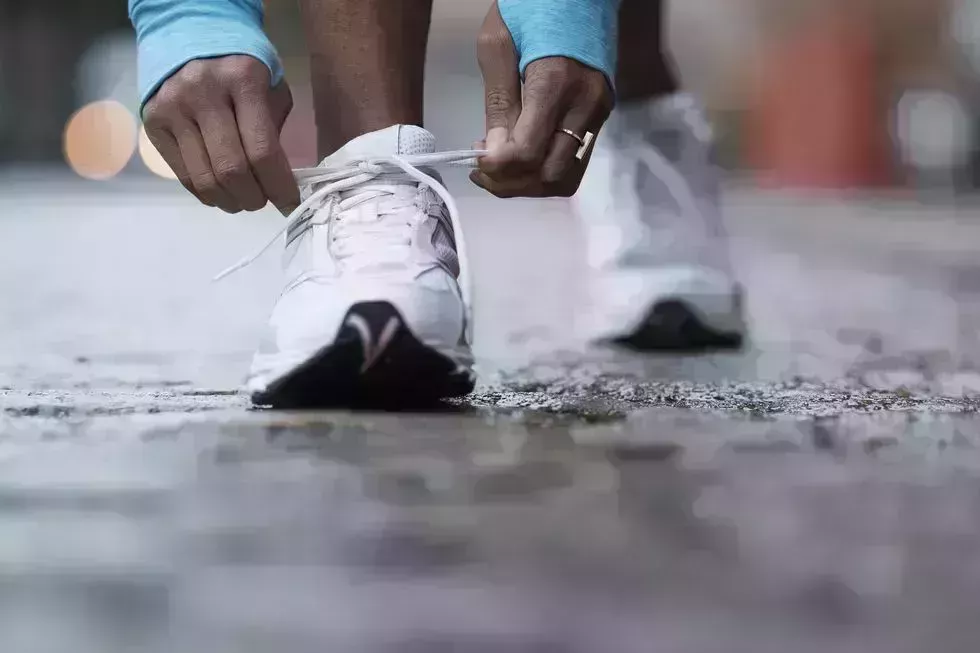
404, 375
670, 326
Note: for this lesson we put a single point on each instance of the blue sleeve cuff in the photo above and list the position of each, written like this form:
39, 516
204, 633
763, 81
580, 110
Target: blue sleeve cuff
165, 43
584, 30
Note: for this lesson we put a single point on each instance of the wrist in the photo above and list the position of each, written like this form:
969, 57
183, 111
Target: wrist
583, 30
166, 50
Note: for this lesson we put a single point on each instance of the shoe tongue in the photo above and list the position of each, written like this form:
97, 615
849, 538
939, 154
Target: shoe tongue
404, 140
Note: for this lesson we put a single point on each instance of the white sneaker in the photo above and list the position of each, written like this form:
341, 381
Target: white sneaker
372, 310
661, 277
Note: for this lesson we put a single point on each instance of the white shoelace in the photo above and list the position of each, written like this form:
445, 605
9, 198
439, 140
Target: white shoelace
665, 171
334, 180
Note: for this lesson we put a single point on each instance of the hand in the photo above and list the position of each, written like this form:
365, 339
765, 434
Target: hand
216, 122
528, 155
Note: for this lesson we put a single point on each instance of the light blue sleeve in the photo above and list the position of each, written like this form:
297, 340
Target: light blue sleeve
584, 30
169, 33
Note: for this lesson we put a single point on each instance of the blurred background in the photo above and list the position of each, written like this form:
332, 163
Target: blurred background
139, 499
818, 94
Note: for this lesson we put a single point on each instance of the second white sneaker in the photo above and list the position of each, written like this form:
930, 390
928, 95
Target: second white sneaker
660, 272
374, 308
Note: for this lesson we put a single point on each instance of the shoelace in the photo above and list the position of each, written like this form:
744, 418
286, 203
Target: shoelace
333, 180
664, 170
372, 239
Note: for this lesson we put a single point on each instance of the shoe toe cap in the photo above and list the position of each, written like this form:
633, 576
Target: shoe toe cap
311, 314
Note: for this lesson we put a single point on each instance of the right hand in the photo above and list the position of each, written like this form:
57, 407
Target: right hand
216, 122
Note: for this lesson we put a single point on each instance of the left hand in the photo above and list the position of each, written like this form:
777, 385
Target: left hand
528, 155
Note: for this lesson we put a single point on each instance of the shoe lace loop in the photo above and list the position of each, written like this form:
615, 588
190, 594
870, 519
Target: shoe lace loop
344, 186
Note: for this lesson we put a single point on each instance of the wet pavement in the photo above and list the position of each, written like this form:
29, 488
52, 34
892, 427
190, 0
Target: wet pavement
818, 491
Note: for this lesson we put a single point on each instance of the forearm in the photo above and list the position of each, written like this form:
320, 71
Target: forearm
169, 33
584, 30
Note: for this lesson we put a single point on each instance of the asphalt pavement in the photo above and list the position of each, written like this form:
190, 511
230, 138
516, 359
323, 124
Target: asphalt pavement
817, 491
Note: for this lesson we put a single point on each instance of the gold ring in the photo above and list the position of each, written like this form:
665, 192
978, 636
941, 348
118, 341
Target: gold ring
585, 142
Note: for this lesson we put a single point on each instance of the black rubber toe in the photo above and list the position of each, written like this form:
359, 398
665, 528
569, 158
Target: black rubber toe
401, 373
671, 326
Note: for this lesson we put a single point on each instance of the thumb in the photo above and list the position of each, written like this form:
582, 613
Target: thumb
280, 103
499, 64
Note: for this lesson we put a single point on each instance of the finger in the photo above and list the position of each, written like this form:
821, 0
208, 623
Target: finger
166, 145
502, 154
268, 160
499, 66
195, 156
280, 104
231, 169
508, 188
561, 160
534, 132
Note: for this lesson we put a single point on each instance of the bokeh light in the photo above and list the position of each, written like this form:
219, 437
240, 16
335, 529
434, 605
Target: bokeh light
100, 139
152, 159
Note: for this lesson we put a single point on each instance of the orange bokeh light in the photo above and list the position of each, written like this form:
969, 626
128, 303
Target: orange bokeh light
152, 159
100, 139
